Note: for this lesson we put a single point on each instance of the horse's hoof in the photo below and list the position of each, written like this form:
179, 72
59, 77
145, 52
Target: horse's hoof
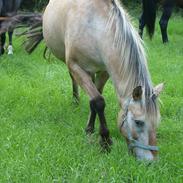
106, 144
165, 41
10, 53
89, 130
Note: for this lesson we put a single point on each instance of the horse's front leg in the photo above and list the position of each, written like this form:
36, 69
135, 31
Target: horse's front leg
10, 47
100, 81
97, 102
167, 11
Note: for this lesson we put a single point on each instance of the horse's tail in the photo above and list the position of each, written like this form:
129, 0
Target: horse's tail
34, 36
33, 33
149, 9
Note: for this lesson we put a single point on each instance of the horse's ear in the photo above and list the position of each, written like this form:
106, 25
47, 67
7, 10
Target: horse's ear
137, 93
158, 89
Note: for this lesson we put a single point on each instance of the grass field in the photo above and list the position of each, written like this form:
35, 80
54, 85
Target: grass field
42, 136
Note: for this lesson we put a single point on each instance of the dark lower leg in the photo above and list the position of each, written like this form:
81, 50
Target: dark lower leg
10, 34
2, 43
141, 25
91, 121
98, 105
167, 11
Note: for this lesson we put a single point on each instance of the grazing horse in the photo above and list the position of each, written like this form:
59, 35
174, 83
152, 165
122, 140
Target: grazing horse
148, 16
75, 37
95, 37
7, 8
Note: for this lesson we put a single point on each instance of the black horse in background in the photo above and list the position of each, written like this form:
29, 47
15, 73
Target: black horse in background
9, 8
148, 16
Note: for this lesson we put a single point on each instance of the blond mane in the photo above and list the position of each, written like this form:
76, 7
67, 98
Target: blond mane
133, 62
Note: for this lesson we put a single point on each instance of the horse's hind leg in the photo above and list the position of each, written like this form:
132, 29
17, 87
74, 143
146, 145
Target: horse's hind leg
97, 102
75, 90
141, 25
167, 11
100, 81
10, 47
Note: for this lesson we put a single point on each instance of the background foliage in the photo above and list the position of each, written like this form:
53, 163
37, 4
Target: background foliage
40, 4
34, 4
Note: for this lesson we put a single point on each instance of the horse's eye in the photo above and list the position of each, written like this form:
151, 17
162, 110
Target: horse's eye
139, 123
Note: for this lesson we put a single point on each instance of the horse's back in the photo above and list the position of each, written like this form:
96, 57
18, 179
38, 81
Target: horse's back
75, 28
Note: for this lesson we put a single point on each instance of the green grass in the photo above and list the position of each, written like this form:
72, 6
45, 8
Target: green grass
42, 135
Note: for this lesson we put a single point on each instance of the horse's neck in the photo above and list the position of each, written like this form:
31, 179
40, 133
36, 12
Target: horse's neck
123, 85
124, 54
119, 84
120, 73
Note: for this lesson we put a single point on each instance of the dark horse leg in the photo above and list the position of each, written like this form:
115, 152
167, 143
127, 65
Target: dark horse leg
167, 11
10, 47
141, 25
2, 43
98, 105
100, 81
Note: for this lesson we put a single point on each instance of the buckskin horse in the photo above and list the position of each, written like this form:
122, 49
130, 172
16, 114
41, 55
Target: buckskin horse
148, 16
96, 37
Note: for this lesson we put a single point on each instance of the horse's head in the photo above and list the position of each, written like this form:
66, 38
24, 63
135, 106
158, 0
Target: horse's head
138, 124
